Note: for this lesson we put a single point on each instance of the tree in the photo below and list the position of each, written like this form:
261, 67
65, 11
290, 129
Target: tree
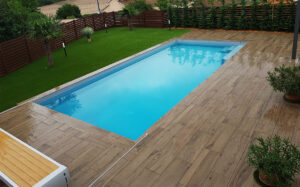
14, 18
45, 28
134, 9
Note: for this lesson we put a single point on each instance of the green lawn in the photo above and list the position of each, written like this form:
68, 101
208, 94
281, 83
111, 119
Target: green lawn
83, 58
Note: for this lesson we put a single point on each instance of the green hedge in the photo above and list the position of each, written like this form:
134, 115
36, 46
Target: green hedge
235, 16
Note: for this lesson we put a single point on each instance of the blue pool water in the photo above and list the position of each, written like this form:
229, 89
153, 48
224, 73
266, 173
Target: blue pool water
130, 97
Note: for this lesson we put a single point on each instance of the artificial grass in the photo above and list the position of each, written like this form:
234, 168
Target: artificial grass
83, 58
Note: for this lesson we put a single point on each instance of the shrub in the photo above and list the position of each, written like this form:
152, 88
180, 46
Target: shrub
232, 21
242, 21
68, 10
194, 15
266, 23
87, 31
212, 15
275, 157
254, 20
291, 17
285, 79
221, 16
185, 19
203, 16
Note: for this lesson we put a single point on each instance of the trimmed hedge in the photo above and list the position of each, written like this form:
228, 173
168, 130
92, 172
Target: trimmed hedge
235, 16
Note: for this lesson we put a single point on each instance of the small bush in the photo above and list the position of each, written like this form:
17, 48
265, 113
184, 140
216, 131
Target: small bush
285, 79
87, 31
275, 157
68, 10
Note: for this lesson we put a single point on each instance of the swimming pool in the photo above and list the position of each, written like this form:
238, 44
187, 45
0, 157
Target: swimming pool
131, 96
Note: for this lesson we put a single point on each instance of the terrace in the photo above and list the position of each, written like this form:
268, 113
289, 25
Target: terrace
202, 141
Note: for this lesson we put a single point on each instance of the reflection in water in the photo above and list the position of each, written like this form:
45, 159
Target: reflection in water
194, 56
70, 101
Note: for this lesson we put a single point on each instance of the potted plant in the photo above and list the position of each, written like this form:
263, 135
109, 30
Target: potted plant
287, 80
87, 31
277, 161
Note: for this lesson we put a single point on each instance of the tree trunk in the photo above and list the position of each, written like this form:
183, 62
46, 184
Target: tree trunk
129, 22
49, 53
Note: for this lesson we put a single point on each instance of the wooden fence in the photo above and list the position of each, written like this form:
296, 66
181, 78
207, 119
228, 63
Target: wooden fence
21, 51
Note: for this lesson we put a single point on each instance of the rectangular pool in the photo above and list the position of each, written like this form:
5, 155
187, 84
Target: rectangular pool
131, 96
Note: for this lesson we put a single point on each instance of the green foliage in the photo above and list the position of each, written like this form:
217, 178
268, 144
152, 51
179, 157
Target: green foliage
280, 21
221, 16
185, 19
285, 79
47, 2
254, 24
291, 17
242, 21
232, 20
162, 4
14, 18
266, 23
68, 10
45, 28
83, 58
87, 31
171, 15
212, 15
135, 8
275, 156
194, 15
203, 17
177, 14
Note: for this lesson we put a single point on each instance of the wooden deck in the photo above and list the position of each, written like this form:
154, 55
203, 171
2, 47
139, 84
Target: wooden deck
202, 141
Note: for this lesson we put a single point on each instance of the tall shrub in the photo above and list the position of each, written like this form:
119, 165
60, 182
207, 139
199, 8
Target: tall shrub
280, 20
203, 17
212, 15
266, 23
171, 14
177, 14
254, 25
291, 17
221, 15
242, 21
185, 19
231, 22
194, 14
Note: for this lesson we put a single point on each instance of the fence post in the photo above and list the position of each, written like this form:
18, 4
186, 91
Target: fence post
28, 50
75, 30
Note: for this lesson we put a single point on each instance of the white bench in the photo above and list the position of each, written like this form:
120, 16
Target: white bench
22, 165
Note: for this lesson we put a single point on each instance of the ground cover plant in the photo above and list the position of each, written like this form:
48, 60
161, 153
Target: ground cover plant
83, 58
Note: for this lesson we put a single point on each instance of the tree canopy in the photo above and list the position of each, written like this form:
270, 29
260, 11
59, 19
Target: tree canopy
15, 16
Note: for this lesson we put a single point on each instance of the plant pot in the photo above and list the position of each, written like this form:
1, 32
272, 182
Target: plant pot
89, 39
293, 98
269, 181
